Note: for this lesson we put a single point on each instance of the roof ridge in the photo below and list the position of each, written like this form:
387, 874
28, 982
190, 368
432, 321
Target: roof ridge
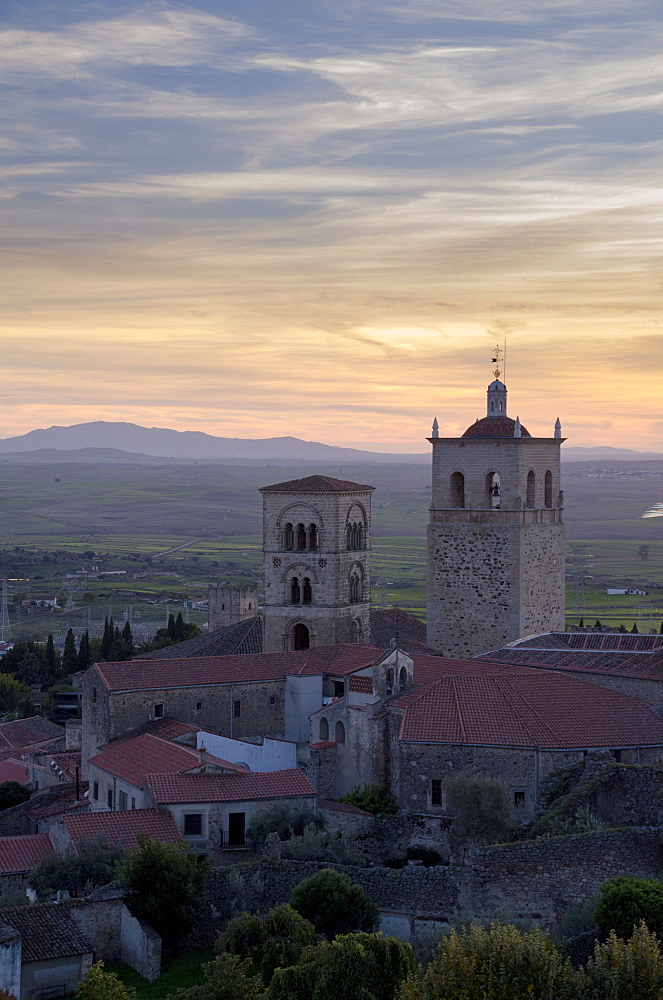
516, 697
461, 721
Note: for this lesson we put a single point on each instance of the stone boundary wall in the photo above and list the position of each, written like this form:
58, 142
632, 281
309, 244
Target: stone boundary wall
539, 879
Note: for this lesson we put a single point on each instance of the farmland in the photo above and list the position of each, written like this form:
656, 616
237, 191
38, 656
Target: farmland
172, 529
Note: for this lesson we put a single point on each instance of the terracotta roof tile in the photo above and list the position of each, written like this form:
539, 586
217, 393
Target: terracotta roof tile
317, 484
66, 764
342, 807
394, 623
47, 931
169, 788
26, 732
145, 754
142, 675
646, 666
14, 770
22, 854
123, 827
321, 745
242, 638
541, 709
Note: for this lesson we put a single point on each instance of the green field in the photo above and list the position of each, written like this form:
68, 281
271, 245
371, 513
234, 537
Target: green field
174, 529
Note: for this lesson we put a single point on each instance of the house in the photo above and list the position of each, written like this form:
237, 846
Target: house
117, 774
20, 855
43, 953
123, 828
213, 811
31, 734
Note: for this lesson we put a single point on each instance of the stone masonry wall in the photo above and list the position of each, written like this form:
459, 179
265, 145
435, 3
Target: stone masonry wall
539, 879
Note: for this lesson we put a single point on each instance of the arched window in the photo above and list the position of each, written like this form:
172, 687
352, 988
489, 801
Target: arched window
301, 638
402, 678
301, 536
360, 536
356, 630
457, 484
339, 732
295, 593
324, 729
390, 681
312, 537
547, 490
307, 592
493, 491
288, 537
530, 495
356, 586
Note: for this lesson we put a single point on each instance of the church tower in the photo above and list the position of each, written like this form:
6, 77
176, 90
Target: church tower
317, 553
495, 537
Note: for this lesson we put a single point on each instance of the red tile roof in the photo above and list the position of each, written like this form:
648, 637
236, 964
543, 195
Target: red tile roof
47, 931
646, 666
26, 732
123, 827
66, 764
14, 770
321, 745
144, 754
317, 484
22, 854
542, 709
169, 788
143, 675
331, 805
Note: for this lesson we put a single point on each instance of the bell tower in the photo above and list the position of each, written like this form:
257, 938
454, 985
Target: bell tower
496, 534
317, 562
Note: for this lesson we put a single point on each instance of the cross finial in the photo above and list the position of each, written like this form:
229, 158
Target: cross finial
497, 360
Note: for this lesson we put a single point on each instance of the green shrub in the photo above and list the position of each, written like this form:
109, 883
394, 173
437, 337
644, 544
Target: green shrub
619, 970
227, 977
101, 985
285, 818
376, 799
244, 887
276, 939
323, 845
625, 902
500, 963
333, 904
481, 807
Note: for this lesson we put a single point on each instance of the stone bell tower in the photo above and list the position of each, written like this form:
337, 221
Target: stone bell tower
495, 537
317, 559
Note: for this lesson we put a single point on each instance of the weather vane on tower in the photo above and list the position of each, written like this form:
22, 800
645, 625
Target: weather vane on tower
497, 360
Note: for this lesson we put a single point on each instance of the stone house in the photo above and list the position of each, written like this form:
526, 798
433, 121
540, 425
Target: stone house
21, 854
123, 828
413, 722
212, 811
42, 951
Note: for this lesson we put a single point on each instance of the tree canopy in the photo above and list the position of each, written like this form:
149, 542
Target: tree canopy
334, 904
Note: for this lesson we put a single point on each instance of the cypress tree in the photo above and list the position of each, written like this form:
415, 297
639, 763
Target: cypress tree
634, 630
179, 628
70, 656
128, 638
581, 623
113, 652
84, 652
50, 655
106, 641
170, 628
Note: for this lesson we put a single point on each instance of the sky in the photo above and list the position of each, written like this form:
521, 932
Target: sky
317, 217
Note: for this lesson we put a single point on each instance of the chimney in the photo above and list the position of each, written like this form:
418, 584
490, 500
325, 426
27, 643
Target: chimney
202, 755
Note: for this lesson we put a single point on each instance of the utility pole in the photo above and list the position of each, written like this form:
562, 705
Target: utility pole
5, 630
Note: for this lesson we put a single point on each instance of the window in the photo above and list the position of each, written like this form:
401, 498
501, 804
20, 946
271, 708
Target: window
123, 800
301, 638
94, 694
307, 591
199, 706
295, 593
95, 791
457, 489
339, 733
390, 681
436, 792
324, 729
547, 489
193, 825
312, 537
301, 536
493, 490
272, 700
356, 586
530, 494
519, 800
617, 755
402, 678
109, 798
237, 709
133, 802
339, 689
288, 537
158, 710
356, 630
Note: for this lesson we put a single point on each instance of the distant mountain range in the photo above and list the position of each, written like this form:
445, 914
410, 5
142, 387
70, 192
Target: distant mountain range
109, 442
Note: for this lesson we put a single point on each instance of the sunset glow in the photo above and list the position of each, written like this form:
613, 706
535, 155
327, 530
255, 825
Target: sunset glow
258, 219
